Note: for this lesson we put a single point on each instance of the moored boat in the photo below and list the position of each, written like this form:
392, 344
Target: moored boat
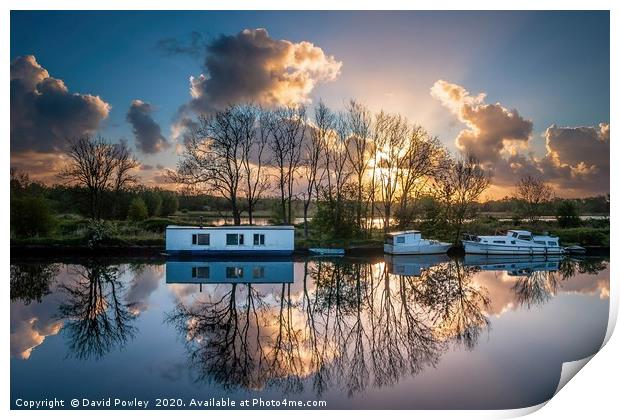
327, 251
410, 242
514, 242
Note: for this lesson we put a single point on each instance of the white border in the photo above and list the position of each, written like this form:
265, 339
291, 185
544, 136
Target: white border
592, 394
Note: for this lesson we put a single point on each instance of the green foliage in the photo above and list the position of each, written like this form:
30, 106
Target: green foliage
137, 210
169, 204
567, 214
335, 218
153, 201
31, 216
584, 236
98, 233
157, 224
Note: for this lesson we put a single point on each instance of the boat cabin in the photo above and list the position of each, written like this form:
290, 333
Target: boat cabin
405, 237
235, 240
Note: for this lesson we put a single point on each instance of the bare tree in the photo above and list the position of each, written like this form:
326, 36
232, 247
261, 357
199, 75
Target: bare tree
391, 132
417, 163
213, 155
287, 130
312, 153
532, 192
458, 187
253, 143
99, 166
337, 149
357, 147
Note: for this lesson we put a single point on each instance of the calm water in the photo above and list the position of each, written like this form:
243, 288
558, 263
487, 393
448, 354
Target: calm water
406, 332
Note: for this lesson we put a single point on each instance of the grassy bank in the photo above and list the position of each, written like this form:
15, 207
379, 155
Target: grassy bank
75, 231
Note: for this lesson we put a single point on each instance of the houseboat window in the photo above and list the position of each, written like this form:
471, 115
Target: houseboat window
514, 234
389, 240
525, 237
234, 239
201, 239
201, 272
499, 242
551, 243
513, 242
258, 272
234, 272
259, 239
539, 242
400, 240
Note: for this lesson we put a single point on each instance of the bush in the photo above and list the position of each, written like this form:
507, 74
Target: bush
137, 210
169, 203
567, 214
99, 232
336, 219
31, 216
153, 201
584, 236
157, 224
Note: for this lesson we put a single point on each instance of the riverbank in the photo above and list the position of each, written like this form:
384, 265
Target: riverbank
78, 236
157, 252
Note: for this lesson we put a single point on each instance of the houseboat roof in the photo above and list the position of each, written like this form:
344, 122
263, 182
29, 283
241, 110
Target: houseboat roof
402, 232
233, 227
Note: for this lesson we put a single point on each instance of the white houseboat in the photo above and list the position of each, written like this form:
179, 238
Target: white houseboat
410, 242
514, 242
234, 240
256, 271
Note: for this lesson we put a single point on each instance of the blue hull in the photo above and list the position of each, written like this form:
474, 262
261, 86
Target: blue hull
216, 253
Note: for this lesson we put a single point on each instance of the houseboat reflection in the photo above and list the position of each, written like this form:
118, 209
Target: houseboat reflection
230, 271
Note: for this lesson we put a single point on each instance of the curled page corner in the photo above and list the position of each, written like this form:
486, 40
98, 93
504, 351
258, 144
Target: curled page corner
570, 369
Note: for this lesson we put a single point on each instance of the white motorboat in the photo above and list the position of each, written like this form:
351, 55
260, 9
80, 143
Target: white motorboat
514, 242
410, 242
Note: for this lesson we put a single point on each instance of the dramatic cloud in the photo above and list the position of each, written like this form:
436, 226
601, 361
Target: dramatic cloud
147, 132
578, 157
576, 160
251, 67
44, 114
492, 129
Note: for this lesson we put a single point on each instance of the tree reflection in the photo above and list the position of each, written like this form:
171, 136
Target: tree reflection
224, 338
537, 286
98, 319
31, 281
349, 324
458, 305
569, 267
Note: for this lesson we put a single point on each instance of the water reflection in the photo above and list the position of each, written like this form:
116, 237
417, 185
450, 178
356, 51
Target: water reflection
320, 326
98, 317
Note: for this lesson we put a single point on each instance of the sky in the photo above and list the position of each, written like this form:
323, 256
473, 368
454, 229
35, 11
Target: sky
527, 92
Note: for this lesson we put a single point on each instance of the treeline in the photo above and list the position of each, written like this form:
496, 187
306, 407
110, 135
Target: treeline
597, 205
339, 170
354, 165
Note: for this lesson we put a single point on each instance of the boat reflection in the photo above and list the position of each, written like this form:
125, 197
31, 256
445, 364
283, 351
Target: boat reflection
412, 265
515, 265
244, 271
